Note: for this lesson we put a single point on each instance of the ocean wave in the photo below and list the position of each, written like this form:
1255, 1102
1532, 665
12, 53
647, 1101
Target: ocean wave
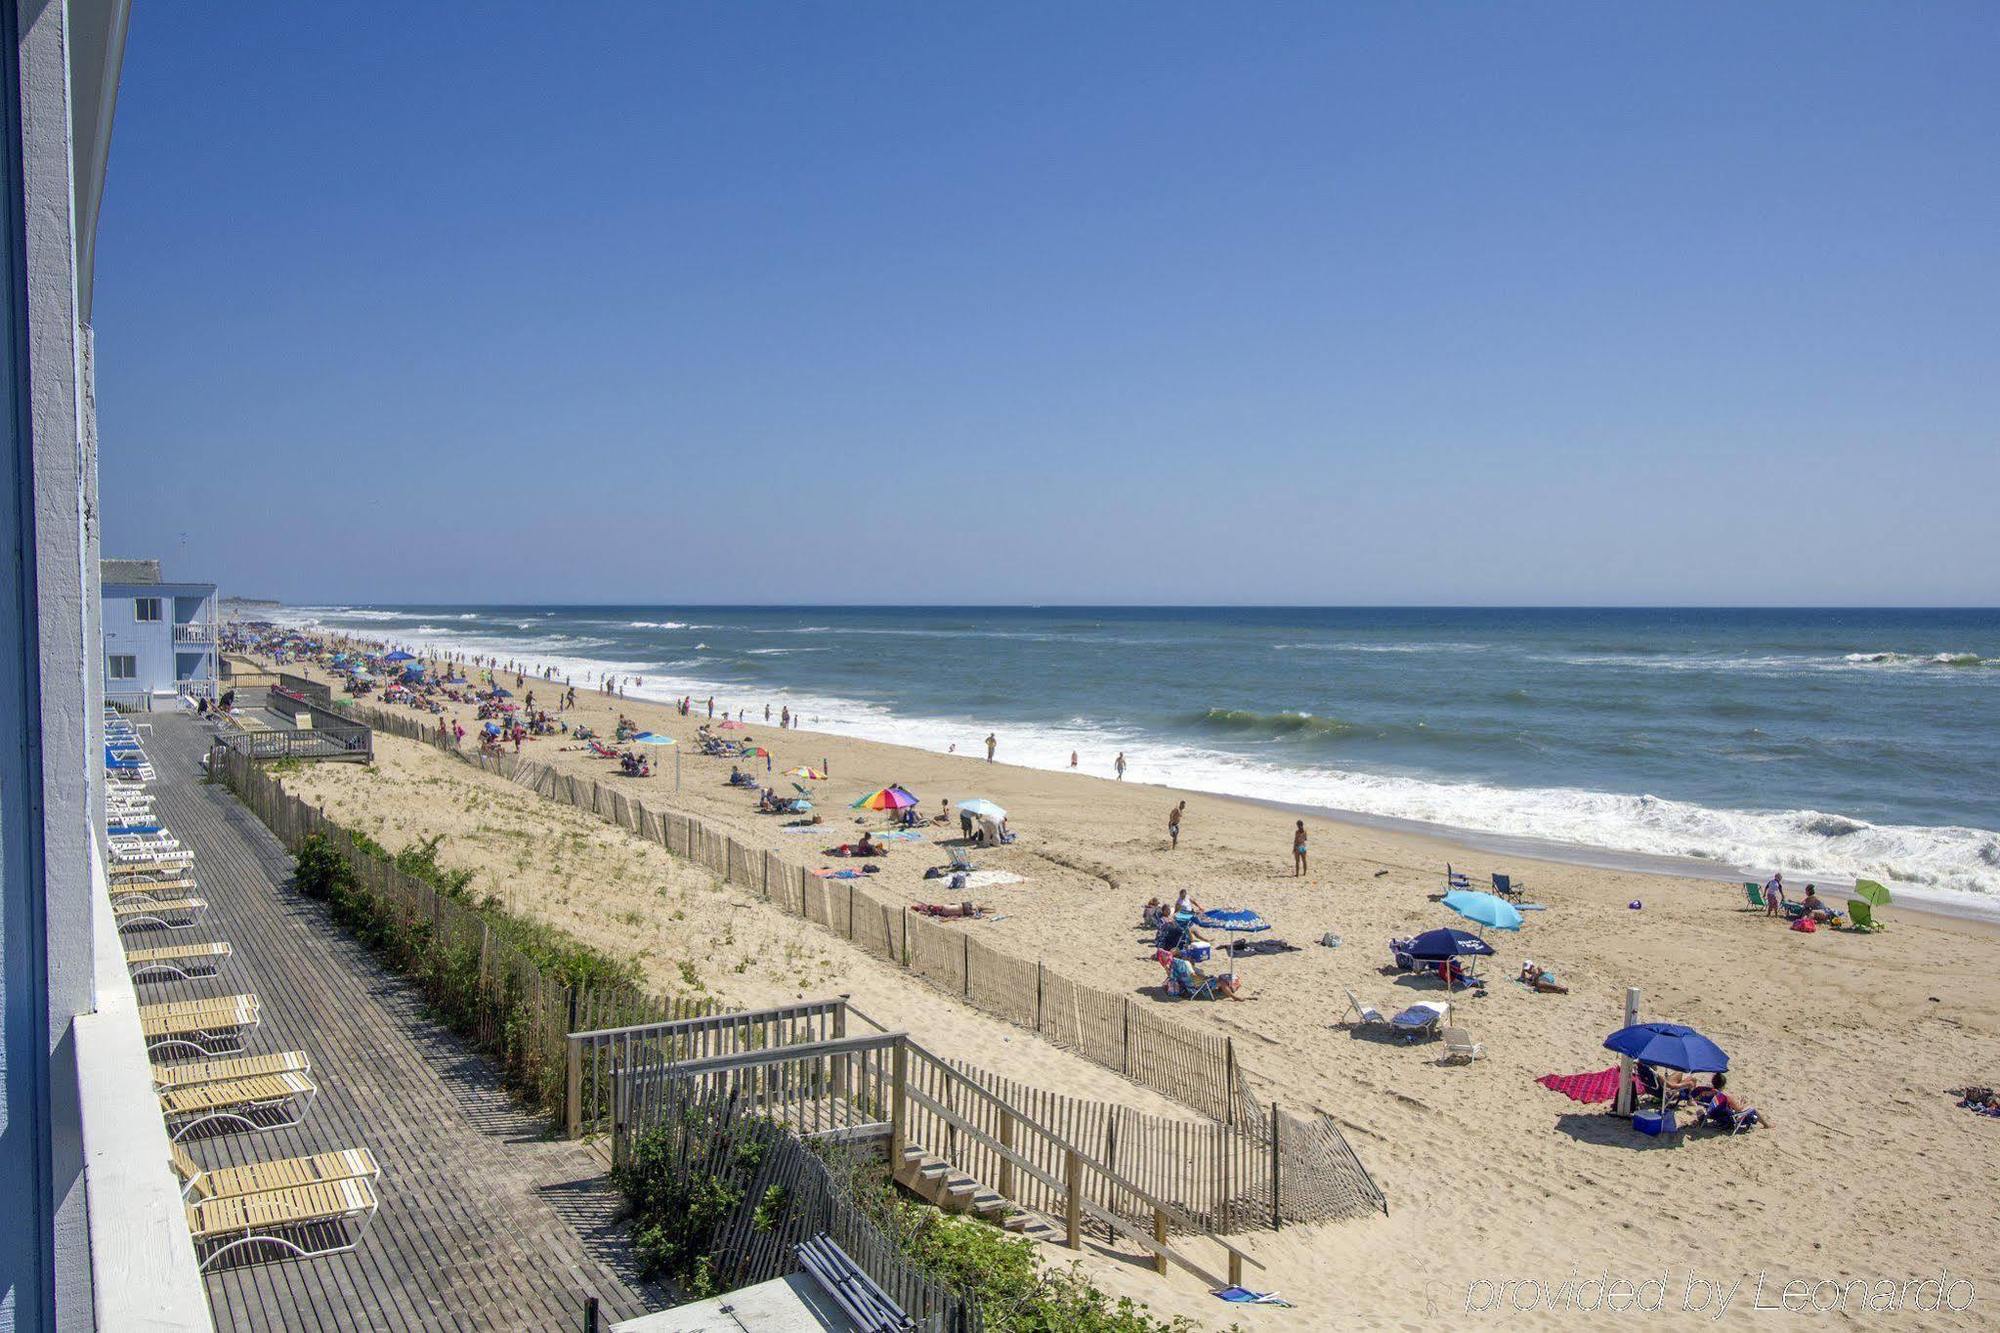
1242, 722
656, 624
1920, 659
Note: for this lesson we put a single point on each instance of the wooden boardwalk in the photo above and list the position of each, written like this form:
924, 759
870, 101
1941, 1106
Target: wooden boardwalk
486, 1222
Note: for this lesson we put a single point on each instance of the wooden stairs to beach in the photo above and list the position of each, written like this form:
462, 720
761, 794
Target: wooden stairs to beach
939, 1183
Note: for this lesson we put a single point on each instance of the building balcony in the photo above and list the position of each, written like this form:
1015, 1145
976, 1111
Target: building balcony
195, 631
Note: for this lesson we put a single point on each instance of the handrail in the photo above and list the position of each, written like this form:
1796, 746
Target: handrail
770, 1055
1171, 1211
673, 1027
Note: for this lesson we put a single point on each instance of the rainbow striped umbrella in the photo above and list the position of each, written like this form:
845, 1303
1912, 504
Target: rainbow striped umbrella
805, 771
886, 798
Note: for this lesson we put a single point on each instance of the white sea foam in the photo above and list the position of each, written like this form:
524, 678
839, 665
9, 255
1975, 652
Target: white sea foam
655, 624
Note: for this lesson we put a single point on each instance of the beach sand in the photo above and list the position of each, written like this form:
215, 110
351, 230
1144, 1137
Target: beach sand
1500, 1191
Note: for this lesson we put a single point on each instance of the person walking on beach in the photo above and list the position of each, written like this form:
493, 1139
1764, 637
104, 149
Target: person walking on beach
1072, 758
711, 708
767, 712
992, 742
785, 718
1174, 826
1774, 896
1299, 850
1119, 764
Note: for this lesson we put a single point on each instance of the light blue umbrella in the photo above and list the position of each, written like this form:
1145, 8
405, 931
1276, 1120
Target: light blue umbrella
653, 738
980, 807
1484, 908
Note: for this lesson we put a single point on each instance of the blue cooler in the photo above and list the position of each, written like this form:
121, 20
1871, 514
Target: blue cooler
1655, 1122
1196, 951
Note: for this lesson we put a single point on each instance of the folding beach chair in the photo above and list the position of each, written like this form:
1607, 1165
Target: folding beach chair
1861, 916
1506, 886
1365, 1015
297, 1207
1454, 880
202, 1029
1755, 893
187, 1073
146, 914
177, 962
1459, 1045
262, 1101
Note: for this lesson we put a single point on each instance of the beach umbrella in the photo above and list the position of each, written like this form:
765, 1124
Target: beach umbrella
806, 771
653, 738
886, 798
981, 807
399, 656
1670, 1046
1435, 946
1870, 892
731, 724
1485, 908
500, 693
1235, 920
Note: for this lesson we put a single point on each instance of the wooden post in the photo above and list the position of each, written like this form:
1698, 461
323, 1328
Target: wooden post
1229, 1080
1160, 1235
1072, 1198
1235, 1269
1276, 1220
1622, 1104
1038, 994
573, 1087
966, 972
1222, 1174
1126, 1065
899, 1119
840, 1062
850, 909
1006, 1181
903, 958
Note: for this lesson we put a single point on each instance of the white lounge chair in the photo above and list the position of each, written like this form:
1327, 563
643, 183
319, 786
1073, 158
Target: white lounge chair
1365, 1015
1459, 1045
297, 1207
177, 962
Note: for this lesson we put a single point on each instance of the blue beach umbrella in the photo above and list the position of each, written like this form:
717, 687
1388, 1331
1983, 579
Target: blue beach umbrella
979, 806
1434, 946
1235, 920
653, 738
1670, 1046
1485, 908
399, 656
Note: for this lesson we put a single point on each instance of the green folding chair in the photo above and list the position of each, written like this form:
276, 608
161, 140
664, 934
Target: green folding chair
1755, 894
1861, 915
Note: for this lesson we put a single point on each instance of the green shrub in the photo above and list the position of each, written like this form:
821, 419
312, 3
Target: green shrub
321, 872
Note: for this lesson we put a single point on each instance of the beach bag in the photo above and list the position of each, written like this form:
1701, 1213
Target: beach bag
1805, 923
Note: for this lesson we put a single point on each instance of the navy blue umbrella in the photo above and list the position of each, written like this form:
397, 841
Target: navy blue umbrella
1670, 1046
1437, 945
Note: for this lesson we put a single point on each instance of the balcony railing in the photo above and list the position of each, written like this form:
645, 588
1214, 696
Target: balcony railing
194, 631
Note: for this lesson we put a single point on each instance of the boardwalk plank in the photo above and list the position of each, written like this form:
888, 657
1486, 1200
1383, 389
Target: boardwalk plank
485, 1221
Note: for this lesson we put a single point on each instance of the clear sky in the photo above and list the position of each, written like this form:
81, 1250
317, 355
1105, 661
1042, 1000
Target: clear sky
919, 302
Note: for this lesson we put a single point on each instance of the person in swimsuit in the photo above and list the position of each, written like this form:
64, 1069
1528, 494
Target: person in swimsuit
1299, 850
1174, 826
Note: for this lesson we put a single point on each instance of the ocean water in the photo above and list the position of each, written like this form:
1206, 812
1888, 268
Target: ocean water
1829, 743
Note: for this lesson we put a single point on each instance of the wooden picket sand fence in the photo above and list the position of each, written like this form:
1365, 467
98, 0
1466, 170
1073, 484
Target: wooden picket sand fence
1258, 1165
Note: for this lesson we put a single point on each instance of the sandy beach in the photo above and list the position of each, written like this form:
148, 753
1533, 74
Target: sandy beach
1504, 1196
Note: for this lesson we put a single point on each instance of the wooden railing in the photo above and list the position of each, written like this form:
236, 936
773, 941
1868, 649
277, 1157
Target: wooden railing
858, 1087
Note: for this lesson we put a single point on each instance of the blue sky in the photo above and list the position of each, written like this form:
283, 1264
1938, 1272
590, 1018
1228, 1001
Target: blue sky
921, 302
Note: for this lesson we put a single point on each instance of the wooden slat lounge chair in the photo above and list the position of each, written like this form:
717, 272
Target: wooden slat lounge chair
175, 914
298, 1207
266, 1101
159, 890
190, 1072
177, 962
122, 871
202, 1028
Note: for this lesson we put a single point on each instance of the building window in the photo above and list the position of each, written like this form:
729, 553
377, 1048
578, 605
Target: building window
125, 666
145, 608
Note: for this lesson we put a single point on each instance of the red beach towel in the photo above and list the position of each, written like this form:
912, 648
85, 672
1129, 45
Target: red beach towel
1601, 1086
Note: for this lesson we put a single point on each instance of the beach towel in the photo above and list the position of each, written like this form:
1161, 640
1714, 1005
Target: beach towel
803, 828
827, 872
1600, 1086
986, 879
898, 835
1245, 1296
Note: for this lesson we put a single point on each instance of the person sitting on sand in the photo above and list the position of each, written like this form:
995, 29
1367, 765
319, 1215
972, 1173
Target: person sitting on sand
1814, 907
1152, 913
1726, 1110
1534, 978
869, 847
1186, 906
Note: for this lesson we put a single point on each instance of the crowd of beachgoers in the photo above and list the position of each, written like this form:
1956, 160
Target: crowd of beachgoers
1220, 901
